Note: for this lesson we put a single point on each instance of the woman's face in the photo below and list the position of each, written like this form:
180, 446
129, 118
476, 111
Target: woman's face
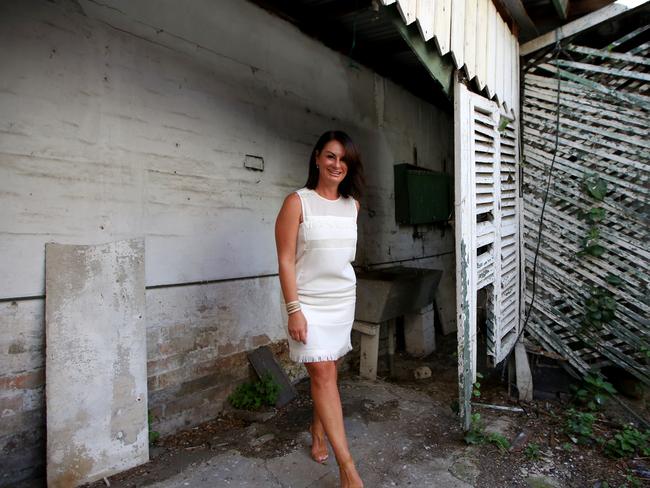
331, 167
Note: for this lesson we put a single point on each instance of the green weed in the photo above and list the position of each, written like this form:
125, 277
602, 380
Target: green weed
153, 434
252, 396
593, 392
532, 451
628, 442
579, 426
477, 435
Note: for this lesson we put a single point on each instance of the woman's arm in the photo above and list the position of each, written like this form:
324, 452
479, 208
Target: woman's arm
286, 235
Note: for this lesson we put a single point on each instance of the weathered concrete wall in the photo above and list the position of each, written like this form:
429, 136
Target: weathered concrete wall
131, 119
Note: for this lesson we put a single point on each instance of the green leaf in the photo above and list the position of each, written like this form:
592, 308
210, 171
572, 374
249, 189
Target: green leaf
596, 214
503, 123
595, 187
595, 250
613, 279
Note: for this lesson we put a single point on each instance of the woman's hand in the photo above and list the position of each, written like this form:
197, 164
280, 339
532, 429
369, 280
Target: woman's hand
298, 327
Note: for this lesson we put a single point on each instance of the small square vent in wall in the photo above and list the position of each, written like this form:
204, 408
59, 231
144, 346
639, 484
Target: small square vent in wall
254, 162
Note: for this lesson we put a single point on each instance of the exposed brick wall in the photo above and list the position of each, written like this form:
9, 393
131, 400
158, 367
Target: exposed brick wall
177, 403
22, 385
192, 392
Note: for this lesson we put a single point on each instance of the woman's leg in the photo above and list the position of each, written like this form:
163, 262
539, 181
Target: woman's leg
318, 443
327, 402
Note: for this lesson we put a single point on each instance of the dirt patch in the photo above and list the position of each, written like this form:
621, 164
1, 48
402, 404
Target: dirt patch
559, 462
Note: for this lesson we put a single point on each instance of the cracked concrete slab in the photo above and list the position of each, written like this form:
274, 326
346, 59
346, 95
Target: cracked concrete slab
96, 390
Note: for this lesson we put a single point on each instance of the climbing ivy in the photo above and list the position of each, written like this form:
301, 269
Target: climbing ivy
600, 305
596, 188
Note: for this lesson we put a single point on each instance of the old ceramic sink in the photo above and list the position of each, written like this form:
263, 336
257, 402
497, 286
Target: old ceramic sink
387, 293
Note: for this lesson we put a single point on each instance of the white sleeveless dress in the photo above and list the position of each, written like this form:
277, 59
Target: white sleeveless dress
326, 247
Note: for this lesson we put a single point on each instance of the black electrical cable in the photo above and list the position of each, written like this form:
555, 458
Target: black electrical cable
557, 50
546, 192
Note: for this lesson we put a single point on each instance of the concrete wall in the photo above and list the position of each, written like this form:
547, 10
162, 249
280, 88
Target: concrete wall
128, 119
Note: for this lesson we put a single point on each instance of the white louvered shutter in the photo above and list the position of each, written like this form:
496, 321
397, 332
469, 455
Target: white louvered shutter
487, 208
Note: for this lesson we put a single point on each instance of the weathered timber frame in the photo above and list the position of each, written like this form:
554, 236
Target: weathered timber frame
487, 208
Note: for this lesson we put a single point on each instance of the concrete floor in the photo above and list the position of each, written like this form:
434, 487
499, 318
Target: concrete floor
393, 435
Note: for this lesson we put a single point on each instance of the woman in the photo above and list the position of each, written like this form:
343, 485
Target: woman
316, 235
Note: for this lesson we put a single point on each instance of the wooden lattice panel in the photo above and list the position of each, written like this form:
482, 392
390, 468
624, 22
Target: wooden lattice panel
603, 131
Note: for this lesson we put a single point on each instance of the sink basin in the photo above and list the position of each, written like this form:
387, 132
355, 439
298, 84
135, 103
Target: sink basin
384, 294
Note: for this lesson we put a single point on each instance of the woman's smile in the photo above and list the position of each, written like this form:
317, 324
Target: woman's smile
331, 163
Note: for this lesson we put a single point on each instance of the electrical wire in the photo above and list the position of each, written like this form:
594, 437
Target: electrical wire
556, 51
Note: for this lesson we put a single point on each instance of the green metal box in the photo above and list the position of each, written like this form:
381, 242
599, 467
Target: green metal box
422, 196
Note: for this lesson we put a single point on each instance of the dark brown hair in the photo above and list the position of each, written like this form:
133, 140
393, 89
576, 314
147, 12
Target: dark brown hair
353, 183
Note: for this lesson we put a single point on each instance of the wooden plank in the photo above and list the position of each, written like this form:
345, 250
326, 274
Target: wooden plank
425, 18
507, 69
408, 10
567, 30
604, 349
624, 97
481, 43
469, 35
495, 299
576, 171
640, 49
514, 77
571, 243
581, 118
366, 328
442, 26
635, 150
630, 35
517, 9
465, 245
632, 324
552, 263
601, 161
441, 69
491, 50
263, 363
630, 115
607, 54
630, 331
624, 125
629, 74
635, 246
498, 59
561, 7
457, 39
622, 128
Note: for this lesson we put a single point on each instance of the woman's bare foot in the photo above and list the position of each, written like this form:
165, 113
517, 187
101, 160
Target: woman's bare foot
349, 476
319, 451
